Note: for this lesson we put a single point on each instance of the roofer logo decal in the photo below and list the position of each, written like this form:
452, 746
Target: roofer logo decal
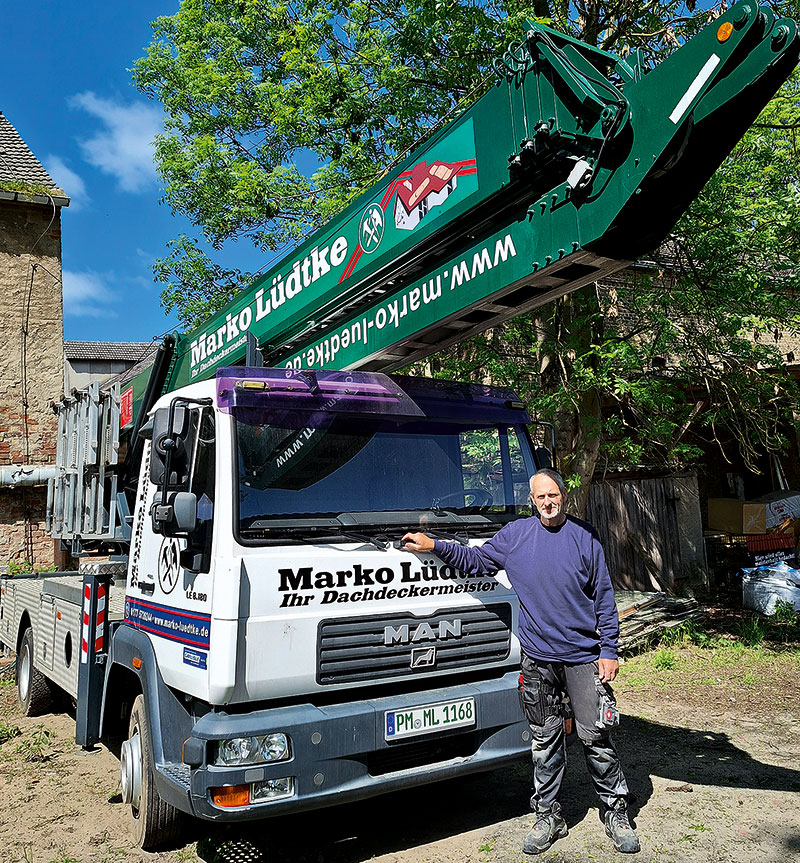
168, 564
370, 231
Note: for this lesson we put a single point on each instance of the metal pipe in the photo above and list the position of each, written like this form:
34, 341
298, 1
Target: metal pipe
20, 474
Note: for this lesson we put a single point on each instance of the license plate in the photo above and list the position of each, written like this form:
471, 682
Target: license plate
431, 717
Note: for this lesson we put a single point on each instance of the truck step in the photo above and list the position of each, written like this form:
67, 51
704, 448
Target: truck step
179, 774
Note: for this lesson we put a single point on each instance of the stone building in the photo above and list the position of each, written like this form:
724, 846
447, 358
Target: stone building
31, 333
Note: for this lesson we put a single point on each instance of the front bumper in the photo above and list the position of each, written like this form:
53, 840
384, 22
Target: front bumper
339, 752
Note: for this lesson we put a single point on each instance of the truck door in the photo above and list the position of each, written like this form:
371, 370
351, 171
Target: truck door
169, 585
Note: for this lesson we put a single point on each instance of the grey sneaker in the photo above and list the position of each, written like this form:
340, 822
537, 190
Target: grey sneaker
548, 827
618, 827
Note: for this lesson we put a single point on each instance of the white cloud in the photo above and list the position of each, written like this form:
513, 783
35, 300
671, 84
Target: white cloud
86, 295
123, 148
68, 180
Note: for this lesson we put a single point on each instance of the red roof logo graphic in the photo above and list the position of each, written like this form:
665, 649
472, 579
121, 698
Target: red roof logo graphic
415, 193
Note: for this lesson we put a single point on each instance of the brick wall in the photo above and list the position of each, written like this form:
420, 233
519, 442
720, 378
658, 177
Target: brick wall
31, 368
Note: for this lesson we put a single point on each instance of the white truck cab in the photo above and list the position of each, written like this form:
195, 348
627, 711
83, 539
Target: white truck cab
277, 648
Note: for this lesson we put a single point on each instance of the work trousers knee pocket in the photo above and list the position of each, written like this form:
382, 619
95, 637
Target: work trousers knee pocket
592, 735
548, 735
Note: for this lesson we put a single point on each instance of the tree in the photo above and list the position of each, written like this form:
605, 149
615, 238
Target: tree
250, 87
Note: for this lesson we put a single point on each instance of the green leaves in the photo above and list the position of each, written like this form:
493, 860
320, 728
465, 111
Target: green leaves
250, 87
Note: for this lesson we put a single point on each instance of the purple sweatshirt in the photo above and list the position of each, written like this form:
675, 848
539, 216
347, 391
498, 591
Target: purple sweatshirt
567, 609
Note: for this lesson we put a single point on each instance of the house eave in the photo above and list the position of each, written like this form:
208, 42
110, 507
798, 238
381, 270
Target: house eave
60, 200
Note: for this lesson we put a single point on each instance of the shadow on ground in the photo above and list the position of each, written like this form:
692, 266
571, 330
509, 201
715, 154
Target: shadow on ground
392, 823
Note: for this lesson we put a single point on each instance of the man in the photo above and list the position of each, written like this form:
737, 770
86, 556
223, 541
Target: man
568, 630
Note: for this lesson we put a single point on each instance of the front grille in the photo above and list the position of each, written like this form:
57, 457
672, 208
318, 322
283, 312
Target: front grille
355, 649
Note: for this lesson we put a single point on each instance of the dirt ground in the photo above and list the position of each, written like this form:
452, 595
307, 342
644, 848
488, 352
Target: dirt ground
712, 755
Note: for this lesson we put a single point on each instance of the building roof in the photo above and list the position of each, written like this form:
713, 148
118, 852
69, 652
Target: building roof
21, 173
130, 352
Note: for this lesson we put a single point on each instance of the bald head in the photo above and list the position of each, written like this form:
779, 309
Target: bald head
547, 495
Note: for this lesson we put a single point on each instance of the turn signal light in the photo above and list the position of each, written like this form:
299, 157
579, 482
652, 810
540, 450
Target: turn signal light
230, 796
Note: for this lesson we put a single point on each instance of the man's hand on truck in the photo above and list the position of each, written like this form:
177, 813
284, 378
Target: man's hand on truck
417, 542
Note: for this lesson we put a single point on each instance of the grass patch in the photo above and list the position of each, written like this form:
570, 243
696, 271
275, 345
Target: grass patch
665, 659
36, 747
686, 633
8, 732
731, 655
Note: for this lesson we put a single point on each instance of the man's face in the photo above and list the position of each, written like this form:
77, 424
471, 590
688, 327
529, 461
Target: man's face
547, 497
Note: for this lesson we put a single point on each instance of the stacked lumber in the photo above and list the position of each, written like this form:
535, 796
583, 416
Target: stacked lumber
645, 616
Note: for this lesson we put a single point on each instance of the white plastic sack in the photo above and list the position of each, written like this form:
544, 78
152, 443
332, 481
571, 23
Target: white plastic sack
764, 586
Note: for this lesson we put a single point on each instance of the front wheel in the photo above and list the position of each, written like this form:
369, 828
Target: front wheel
154, 823
34, 690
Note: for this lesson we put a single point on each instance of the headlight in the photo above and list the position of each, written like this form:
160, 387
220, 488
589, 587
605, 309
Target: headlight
271, 789
252, 750
274, 747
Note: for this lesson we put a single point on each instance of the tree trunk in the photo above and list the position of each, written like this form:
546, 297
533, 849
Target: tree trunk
566, 335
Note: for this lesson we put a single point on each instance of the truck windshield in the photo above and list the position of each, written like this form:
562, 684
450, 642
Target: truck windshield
374, 468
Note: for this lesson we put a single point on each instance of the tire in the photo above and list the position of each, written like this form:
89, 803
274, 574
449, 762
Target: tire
34, 690
154, 823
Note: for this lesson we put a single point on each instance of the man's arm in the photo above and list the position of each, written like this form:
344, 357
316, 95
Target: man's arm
605, 608
483, 560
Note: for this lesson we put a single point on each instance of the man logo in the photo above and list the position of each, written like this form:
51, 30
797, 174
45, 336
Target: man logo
423, 632
423, 657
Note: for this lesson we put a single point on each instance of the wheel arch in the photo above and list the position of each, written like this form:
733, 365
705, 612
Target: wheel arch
122, 685
25, 623
170, 721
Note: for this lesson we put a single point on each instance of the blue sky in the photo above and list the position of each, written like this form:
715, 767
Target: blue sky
65, 86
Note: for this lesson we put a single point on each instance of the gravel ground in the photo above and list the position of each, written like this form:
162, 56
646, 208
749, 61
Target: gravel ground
711, 748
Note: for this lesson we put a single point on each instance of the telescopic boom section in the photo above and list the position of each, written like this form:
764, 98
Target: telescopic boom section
576, 163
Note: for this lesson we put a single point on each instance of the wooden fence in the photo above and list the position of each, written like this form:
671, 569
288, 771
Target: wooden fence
640, 522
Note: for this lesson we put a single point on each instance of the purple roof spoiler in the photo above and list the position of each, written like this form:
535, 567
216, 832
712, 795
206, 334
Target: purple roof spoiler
364, 393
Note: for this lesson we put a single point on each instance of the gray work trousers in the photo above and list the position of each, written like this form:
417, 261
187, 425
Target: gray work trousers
547, 686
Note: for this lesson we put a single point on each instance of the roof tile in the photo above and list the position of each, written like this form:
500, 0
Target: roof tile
17, 162
127, 351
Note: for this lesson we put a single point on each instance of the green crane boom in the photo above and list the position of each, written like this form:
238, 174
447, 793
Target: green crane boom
573, 165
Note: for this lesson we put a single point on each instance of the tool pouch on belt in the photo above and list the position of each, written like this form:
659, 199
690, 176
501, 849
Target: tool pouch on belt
607, 711
537, 699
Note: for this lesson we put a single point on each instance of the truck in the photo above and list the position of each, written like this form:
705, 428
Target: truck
245, 623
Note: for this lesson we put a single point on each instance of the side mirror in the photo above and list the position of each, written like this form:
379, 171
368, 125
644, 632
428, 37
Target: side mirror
175, 440
543, 457
177, 516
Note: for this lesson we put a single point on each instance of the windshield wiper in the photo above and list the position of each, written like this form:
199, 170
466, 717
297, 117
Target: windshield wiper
360, 537
441, 534
324, 530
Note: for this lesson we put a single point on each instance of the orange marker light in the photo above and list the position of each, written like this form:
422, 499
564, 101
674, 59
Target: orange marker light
231, 795
136, 662
724, 31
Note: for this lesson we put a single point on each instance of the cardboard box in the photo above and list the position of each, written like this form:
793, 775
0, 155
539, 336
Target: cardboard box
737, 516
781, 506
